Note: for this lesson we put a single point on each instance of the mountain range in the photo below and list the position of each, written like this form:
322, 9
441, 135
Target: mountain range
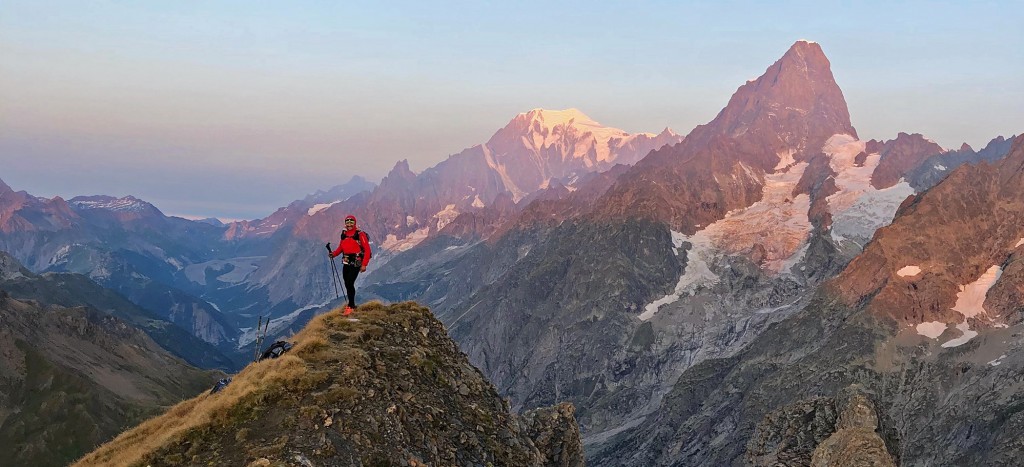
689, 255
74, 374
767, 289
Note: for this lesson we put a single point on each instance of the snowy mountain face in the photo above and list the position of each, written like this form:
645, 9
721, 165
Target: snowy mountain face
535, 151
541, 145
686, 257
109, 203
287, 217
922, 329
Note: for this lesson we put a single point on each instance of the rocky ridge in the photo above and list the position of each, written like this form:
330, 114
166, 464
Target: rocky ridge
385, 386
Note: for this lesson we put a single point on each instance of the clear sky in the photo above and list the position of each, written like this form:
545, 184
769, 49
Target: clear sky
234, 108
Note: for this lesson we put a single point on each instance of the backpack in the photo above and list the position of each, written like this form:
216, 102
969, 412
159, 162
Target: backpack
276, 350
358, 237
220, 385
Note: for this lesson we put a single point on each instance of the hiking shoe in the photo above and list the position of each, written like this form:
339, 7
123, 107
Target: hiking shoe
348, 311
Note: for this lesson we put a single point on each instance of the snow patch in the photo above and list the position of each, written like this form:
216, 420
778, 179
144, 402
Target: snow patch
697, 273
969, 303
967, 336
778, 222
409, 220
1021, 242
941, 167
997, 361
906, 271
319, 207
787, 265
785, 159
446, 216
391, 242
858, 209
517, 193
126, 204
477, 202
61, 254
174, 262
677, 241
931, 329
765, 311
972, 296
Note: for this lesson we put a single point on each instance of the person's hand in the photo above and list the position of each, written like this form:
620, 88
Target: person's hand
331, 255
362, 269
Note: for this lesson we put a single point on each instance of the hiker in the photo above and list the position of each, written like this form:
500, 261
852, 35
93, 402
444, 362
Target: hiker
354, 249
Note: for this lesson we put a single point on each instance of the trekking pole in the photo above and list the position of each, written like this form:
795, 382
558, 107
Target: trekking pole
260, 338
263, 339
255, 352
337, 275
334, 273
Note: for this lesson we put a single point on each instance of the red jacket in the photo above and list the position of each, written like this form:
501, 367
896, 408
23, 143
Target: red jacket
349, 245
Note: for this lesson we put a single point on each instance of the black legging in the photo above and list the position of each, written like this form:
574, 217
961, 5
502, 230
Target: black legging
350, 272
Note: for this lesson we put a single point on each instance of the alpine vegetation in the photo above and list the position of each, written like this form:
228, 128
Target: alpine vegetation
386, 387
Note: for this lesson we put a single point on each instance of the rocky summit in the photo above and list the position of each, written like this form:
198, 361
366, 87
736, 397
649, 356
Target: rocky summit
384, 386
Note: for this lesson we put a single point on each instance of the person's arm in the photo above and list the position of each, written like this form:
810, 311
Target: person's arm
366, 249
336, 252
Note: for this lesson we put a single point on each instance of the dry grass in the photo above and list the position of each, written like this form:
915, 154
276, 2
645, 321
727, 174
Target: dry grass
254, 386
387, 382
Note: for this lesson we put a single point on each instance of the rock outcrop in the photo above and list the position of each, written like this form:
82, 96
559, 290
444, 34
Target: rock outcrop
821, 432
384, 386
855, 442
899, 156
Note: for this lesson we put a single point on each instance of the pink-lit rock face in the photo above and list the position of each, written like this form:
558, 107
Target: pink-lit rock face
900, 155
770, 124
960, 232
796, 105
541, 145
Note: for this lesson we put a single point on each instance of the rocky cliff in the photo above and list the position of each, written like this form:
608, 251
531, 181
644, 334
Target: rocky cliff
384, 386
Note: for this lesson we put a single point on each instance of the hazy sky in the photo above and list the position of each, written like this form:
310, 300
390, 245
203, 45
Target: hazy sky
232, 109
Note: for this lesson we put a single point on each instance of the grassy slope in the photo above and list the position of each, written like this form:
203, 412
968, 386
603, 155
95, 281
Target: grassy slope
379, 388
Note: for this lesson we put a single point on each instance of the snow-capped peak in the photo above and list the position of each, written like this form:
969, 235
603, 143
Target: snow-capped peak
109, 203
553, 118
